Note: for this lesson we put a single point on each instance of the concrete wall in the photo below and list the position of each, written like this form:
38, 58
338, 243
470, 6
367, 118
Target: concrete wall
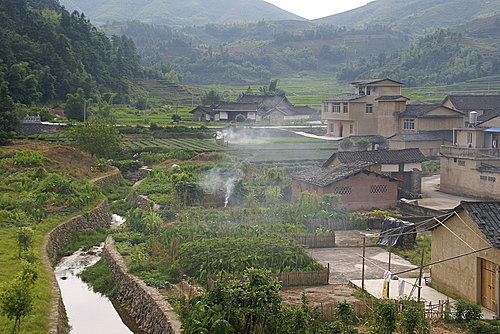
100, 216
34, 128
460, 277
360, 197
151, 312
460, 176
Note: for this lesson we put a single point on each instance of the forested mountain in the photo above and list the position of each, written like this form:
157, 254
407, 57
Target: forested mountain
415, 16
442, 57
46, 53
251, 53
188, 12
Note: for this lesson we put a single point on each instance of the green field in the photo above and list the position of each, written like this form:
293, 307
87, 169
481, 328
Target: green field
186, 144
308, 88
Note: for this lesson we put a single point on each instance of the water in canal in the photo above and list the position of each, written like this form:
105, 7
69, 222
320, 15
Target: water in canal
89, 312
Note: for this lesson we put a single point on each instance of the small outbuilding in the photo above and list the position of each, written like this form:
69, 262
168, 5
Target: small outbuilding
360, 187
474, 228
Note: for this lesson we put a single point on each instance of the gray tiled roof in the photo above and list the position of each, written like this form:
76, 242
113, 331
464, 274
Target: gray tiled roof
407, 155
420, 110
489, 115
475, 102
486, 215
324, 176
488, 168
235, 106
390, 98
430, 135
372, 81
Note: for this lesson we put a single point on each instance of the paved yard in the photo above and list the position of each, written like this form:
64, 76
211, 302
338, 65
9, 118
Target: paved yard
346, 262
435, 199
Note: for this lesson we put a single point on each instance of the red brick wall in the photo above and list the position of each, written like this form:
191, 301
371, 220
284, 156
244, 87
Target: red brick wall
358, 190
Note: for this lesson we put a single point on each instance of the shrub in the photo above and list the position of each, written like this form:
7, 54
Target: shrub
346, 144
483, 327
363, 144
412, 319
383, 319
466, 312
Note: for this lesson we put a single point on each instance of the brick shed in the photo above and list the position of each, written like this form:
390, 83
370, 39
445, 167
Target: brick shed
361, 188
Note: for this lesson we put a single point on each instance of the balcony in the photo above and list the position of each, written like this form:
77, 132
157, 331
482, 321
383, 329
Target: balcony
471, 153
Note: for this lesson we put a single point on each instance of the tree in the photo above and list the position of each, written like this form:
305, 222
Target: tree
363, 144
212, 97
176, 118
97, 137
16, 301
9, 121
24, 238
75, 105
16, 297
346, 144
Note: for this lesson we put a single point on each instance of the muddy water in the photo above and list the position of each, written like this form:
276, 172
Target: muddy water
89, 312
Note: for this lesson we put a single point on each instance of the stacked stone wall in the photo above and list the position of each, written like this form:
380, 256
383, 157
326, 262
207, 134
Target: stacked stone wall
100, 216
150, 310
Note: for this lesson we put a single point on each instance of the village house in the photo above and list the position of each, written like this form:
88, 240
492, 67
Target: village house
472, 165
472, 226
274, 109
378, 108
472, 102
365, 179
404, 165
360, 187
368, 111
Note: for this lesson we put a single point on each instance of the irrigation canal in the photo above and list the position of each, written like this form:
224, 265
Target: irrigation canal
90, 312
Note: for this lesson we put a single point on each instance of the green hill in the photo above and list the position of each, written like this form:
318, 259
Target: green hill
46, 53
415, 16
187, 12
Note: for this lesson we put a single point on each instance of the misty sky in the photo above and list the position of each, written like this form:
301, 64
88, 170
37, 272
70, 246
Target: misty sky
313, 9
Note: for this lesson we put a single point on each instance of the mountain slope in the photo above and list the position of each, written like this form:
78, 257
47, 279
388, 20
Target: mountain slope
187, 12
415, 16
47, 53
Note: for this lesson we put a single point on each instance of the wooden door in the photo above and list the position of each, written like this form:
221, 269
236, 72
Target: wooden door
489, 291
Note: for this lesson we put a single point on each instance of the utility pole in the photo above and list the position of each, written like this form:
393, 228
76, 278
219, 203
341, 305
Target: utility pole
420, 276
363, 266
389, 269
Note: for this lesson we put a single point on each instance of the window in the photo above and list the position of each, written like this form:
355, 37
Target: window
351, 128
346, 190
461, 163
492, 178
368, 91
369, 109
378, 188
336, 107
409, 124
346, 108
483, 178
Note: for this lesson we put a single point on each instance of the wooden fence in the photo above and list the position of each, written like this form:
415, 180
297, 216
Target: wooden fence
334, 224
364, 308
293, 278
315, 241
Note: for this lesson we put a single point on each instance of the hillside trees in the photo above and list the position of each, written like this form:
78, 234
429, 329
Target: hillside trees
440, 57
97, 137
8, 117
48, 52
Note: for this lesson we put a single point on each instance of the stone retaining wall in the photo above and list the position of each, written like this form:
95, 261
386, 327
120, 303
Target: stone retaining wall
100, 216
151, 312
114, 178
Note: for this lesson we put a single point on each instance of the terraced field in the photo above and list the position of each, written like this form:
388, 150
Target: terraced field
186, 144
311, 88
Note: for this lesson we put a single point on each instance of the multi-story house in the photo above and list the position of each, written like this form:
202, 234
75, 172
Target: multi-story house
369, 110
471, 166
